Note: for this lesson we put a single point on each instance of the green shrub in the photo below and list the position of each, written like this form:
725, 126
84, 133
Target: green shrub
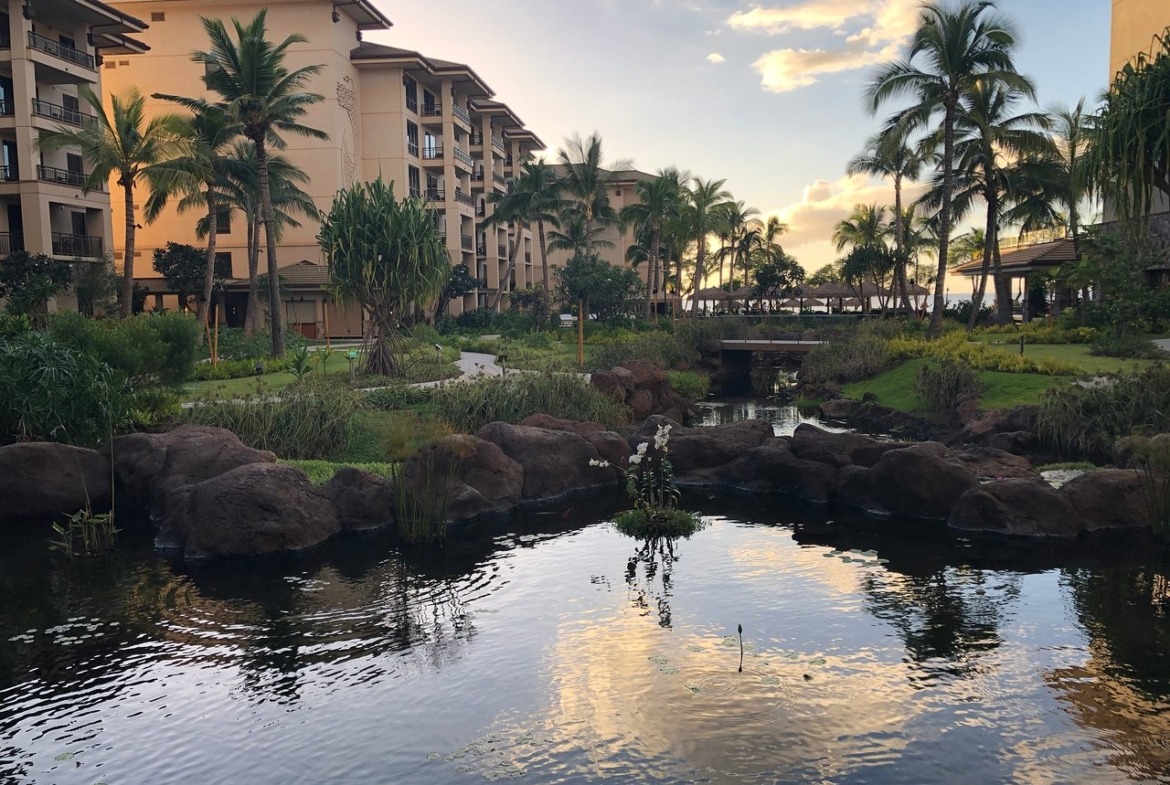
470, 405
235, 369
235, 344
154, 407
309, 420
942, 384
666, 350
689, 384
955, 346
1084, 420
848, 359
51, 390
1126, 345
1041, 332
396, 396
146, 348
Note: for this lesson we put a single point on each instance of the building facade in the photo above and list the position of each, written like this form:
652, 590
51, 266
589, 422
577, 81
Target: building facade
48, 51
431, 126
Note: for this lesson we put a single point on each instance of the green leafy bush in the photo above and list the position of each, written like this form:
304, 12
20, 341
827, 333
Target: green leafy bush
1042, 332
689, 384
235, 369
309, 420
942, 384
146, 348
1126, 345
666, 350
469, 406
235, 344
848, 359
397, 396
51, 390
955, 347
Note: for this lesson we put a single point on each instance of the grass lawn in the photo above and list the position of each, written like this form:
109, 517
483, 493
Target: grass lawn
1075, 353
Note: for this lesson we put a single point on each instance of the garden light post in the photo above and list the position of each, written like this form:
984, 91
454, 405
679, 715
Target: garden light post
351, 356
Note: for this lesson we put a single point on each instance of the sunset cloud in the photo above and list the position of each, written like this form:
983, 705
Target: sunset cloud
716, 58
869, 31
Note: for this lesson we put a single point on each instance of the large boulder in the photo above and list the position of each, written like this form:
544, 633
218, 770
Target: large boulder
840, 409
919, 481
618, 383
1016, 507
985, 424
555, 463
642, 386
151, 465
40, 481
482, 480
254, 509
989, 463
550, 423
611, 446
773, 468
836, 449
1108, 499
364, 500
695, 449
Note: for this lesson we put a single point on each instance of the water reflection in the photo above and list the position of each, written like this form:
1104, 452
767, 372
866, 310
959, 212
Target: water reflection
653, 555
784, 417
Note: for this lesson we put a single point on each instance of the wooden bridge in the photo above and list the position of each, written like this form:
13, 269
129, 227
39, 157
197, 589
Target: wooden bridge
771, 346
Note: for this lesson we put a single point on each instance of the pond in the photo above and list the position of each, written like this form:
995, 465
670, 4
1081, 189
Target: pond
568, 653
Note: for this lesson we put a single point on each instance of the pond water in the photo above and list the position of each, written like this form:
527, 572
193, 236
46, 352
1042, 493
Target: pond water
783, 416
567, 653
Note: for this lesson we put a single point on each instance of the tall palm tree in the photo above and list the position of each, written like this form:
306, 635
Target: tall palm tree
200, 176
705, 200
576, 236
659, 201
123, 143
736, 223
586, 180
888, 154
545, 205
952, 51
865, 226
512, 208
1074, 131
990, 143
268, 100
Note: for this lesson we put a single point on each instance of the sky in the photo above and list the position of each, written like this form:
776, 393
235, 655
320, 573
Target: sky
766, 95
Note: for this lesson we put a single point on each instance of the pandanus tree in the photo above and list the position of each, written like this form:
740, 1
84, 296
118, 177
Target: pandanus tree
383, 255
200, 176
258, 90
120, 143
659, 202
952, 50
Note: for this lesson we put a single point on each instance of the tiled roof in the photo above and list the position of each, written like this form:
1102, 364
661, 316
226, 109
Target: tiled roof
1026, 258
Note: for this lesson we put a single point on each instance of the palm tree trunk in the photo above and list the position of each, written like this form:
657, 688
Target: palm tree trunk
126, 307
543, 252
209, 273
511, 266
900, 244
252, 322
988, 246
1003, 287
700, 259
934, 329
276, 324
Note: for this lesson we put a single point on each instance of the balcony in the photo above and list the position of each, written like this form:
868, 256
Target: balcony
412, 104
432, 153
467, 242
76, 245
463, 198
498, 143
464, 157
431, 110
5, 40
415, 191
55, 112
6, 109
53, 174
412, 148
63, 51
481, 249
499, 178
8, 174
502, 251
461, 113
11, 241
477, 175
476, 139
436, 195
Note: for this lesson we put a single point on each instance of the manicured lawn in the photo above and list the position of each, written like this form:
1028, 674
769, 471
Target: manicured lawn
1074, 353
267, 383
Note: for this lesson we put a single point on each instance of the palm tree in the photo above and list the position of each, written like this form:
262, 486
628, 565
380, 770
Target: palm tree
958, 48
989, 146
705, 199
1074, 131
865, 226
511, 208
889, 155
123, 143
736, 223
200, 176
576, 236
659, 201
545, 204
268, 100
585, 179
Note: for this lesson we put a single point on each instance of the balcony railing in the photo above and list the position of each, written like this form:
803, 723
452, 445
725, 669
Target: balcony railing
11, 241
432, 110
436, 195
5, 40
412, 148
8, 173
498, 143
412, 104
467, 242
499, 178
65, 115
431, 153
76, 245
53, 174
477, 175
464, 198
476, 139
502, 251
461, 113
6, 108
481, 249
464, 157
58, 49
415, 191
508, 161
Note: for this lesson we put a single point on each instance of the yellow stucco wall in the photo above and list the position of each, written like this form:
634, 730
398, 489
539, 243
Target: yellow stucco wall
1135, 22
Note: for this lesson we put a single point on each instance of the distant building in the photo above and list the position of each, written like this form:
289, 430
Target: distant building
431, 126
47, 51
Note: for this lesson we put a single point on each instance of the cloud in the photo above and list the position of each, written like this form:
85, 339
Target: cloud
715, 57
869, 31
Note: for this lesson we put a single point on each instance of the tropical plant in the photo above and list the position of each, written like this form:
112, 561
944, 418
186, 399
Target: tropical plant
952, 51
257, 90
533, 197
659, 202
738, 231
184, 268
705, 199
29, 281
459, 283
585, 181
121, 143
383, 255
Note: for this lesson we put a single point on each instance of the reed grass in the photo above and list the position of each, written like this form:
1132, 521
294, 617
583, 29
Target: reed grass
468, 406
1085, 420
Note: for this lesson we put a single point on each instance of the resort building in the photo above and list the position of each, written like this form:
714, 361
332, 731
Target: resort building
47, 51
431, 126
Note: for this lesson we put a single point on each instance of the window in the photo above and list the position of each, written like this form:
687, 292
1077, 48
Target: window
411, 138
413, 180
71, 104
8, 154
428, 101
158, 16
411, 93
223, 264
66, 42
78, 224
223, 221
74, 163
